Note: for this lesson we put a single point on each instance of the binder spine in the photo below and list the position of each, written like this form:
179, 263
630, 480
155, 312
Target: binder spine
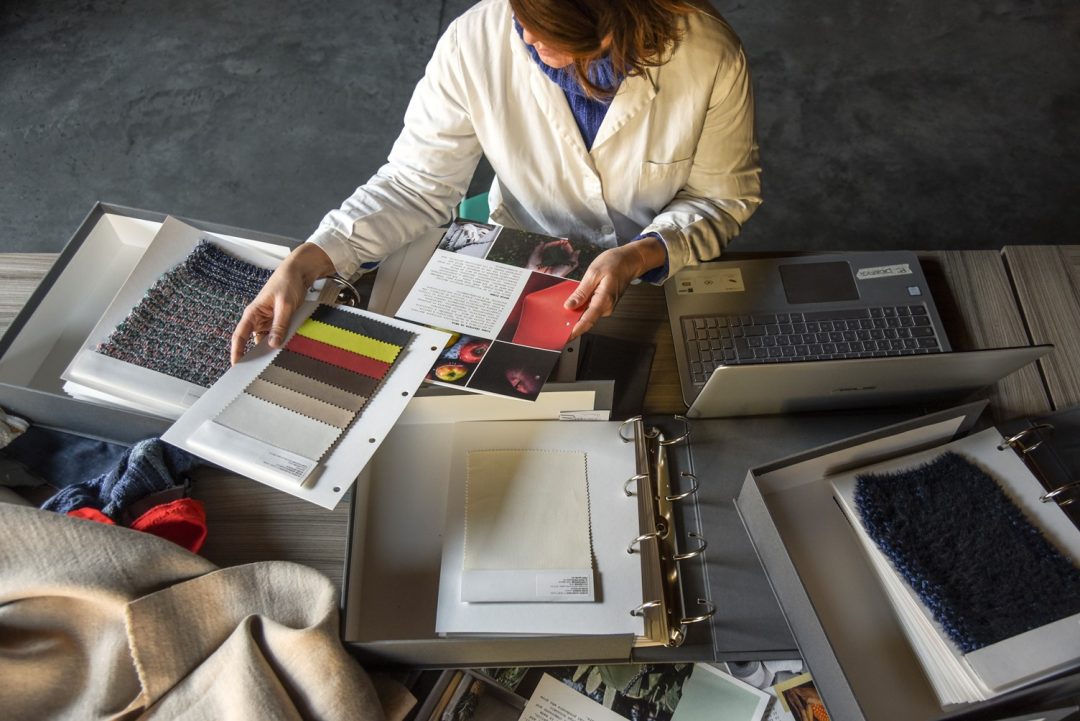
663, 606
1025, 442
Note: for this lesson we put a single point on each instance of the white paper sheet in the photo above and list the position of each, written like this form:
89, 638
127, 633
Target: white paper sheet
614, 524
555, 701
527, 527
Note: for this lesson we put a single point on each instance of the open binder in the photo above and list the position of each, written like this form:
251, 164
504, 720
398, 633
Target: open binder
638, 543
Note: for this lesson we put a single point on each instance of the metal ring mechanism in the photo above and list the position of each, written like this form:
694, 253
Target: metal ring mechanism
633, 479
1016, 440
640, 610
622, 428
696, 552
703, 617
684, 494
1060, 491
683, 437
642, 537
348, 287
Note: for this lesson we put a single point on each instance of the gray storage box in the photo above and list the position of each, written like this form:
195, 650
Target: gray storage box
840, 618
48, 332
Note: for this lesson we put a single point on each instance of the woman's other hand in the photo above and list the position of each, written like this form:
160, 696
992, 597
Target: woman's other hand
273, 307
607, 276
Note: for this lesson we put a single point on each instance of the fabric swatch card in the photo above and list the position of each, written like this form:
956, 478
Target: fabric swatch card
314, 388
307, 417
527, 530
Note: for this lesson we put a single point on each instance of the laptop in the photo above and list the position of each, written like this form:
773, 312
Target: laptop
818, 332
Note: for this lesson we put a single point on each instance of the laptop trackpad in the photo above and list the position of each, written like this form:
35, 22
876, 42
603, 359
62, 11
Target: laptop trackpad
818, 282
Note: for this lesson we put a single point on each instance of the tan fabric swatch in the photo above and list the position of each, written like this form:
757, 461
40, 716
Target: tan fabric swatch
302, 404
314, 388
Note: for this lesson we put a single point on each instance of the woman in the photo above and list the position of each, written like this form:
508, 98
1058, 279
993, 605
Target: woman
625, 123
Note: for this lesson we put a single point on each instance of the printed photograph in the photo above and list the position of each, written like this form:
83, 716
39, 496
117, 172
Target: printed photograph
469, 238
559, 257
513, 370
539, 319
799, 697
637, 693
455, 365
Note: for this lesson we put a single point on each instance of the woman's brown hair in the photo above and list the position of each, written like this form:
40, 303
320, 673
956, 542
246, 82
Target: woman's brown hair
642, 32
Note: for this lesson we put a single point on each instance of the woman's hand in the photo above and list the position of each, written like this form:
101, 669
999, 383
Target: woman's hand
607, 277
274, 305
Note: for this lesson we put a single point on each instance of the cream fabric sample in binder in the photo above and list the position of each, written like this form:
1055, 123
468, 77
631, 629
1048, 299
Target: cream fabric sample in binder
527, 533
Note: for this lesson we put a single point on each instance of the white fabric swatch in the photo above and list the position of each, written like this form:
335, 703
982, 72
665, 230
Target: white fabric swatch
527, 510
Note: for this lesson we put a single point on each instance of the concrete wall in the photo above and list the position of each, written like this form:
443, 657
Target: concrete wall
882, 124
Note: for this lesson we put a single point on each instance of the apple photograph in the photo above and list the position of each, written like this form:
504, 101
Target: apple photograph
458, 360
539, 318
513, 370
469, 238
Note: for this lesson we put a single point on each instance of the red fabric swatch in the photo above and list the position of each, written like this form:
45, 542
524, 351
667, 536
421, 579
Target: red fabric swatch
91, 514
182, 521
336, 356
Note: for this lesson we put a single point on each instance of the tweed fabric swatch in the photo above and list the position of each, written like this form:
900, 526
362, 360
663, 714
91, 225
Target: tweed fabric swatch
182, 326
978, 564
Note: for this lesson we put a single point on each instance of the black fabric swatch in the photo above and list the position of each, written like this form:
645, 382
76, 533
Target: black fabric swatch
362, 325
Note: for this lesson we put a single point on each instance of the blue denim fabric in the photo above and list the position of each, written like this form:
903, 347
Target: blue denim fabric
148, 467
59, 458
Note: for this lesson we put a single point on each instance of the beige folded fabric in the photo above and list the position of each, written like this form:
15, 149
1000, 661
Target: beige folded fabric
102, 622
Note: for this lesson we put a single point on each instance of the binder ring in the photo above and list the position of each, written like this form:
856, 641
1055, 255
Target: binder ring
696, 552
642, 537
346, 286
692, 491
640, 610
683, 437
1052, 495
634, 479
703, 617
1016, 440
622, 427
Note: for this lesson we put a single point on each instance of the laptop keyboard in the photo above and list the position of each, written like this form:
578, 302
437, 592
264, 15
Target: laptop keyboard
817, 335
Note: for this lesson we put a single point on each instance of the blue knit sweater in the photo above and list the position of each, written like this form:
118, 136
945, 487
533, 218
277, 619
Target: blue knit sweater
588, 112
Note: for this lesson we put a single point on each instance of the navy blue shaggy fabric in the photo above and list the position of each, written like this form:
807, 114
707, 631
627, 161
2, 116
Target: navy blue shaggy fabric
984, 571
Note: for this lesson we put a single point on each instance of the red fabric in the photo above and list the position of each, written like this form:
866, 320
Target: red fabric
336, 356
91, 514
544, 322
182, 521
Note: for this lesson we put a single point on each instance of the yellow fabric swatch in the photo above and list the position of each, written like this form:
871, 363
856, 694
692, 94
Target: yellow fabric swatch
347, 340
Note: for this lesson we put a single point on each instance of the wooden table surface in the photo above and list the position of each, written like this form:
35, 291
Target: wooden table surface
1047, 281
251, 522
